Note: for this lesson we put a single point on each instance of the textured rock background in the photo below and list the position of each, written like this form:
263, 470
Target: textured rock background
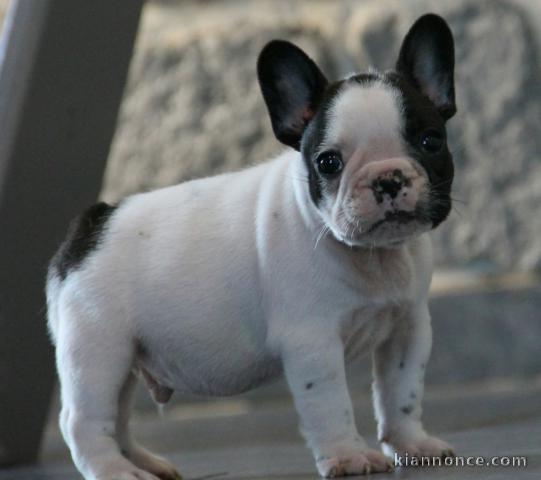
193, 106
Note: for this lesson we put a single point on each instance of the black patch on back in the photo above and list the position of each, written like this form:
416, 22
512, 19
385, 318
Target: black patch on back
84, 234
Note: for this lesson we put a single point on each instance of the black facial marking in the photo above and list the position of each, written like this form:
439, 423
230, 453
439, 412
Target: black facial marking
407, 409
315, 132
313, 138
401, 364
421, 116
309, 385
83, 236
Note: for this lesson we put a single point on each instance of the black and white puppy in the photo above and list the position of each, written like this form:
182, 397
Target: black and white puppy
295, 266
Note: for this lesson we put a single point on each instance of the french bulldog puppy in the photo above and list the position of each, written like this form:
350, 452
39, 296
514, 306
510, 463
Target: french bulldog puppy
293, 267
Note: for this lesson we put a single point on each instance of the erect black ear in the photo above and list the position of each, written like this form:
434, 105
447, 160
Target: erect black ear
292, 87
427, 58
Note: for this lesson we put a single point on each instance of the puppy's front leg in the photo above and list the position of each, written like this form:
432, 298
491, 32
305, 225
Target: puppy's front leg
399, 368
316, 376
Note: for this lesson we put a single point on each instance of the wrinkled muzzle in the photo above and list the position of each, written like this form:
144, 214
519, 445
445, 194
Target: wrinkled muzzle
384, 201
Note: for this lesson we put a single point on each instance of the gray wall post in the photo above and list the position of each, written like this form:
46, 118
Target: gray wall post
62, 73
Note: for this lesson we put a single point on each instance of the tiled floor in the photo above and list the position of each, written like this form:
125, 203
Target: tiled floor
261, 442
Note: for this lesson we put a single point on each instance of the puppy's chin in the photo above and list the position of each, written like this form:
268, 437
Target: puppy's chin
388, 233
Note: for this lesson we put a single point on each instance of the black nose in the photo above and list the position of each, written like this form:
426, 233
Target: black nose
389, 184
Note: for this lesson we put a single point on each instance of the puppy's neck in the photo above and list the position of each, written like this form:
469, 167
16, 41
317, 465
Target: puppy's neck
298, 176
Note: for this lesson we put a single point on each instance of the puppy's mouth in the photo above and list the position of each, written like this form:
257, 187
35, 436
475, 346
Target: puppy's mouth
396, 227
399, 217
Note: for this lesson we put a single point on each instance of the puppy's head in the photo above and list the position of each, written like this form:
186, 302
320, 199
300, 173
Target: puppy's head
374, 144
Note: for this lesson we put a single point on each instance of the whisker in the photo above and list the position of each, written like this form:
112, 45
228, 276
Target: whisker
444, 182
464, 202
457, 211
321, 234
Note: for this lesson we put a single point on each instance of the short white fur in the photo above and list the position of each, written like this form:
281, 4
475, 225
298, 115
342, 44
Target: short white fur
214, 287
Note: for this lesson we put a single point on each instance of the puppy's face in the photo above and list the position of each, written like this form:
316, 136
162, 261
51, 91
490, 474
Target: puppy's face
378, 165
374, 145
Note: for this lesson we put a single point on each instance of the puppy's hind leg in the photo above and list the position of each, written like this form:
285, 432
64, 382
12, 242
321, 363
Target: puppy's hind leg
93, 364
130, 449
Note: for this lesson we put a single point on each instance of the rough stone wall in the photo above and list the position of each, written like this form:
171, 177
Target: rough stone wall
496, 136
193, 106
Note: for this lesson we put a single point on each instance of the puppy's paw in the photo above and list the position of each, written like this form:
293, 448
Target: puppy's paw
158, 466
359, 463
423, 446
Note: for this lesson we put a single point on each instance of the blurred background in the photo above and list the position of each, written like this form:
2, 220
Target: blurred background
192, 107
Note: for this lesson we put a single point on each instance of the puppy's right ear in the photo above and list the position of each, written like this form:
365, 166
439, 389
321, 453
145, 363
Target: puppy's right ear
292, 87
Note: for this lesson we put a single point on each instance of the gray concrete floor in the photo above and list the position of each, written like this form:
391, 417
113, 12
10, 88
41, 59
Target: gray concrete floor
236, 439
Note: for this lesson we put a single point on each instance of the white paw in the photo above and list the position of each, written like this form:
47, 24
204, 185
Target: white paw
160, 467
423, 446
359, 463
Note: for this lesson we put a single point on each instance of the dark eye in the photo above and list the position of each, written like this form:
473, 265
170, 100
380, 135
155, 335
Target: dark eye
329, 163
432, 141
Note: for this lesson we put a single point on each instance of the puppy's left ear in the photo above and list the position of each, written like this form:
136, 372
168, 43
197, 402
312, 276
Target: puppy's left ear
292, 87
427, 59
